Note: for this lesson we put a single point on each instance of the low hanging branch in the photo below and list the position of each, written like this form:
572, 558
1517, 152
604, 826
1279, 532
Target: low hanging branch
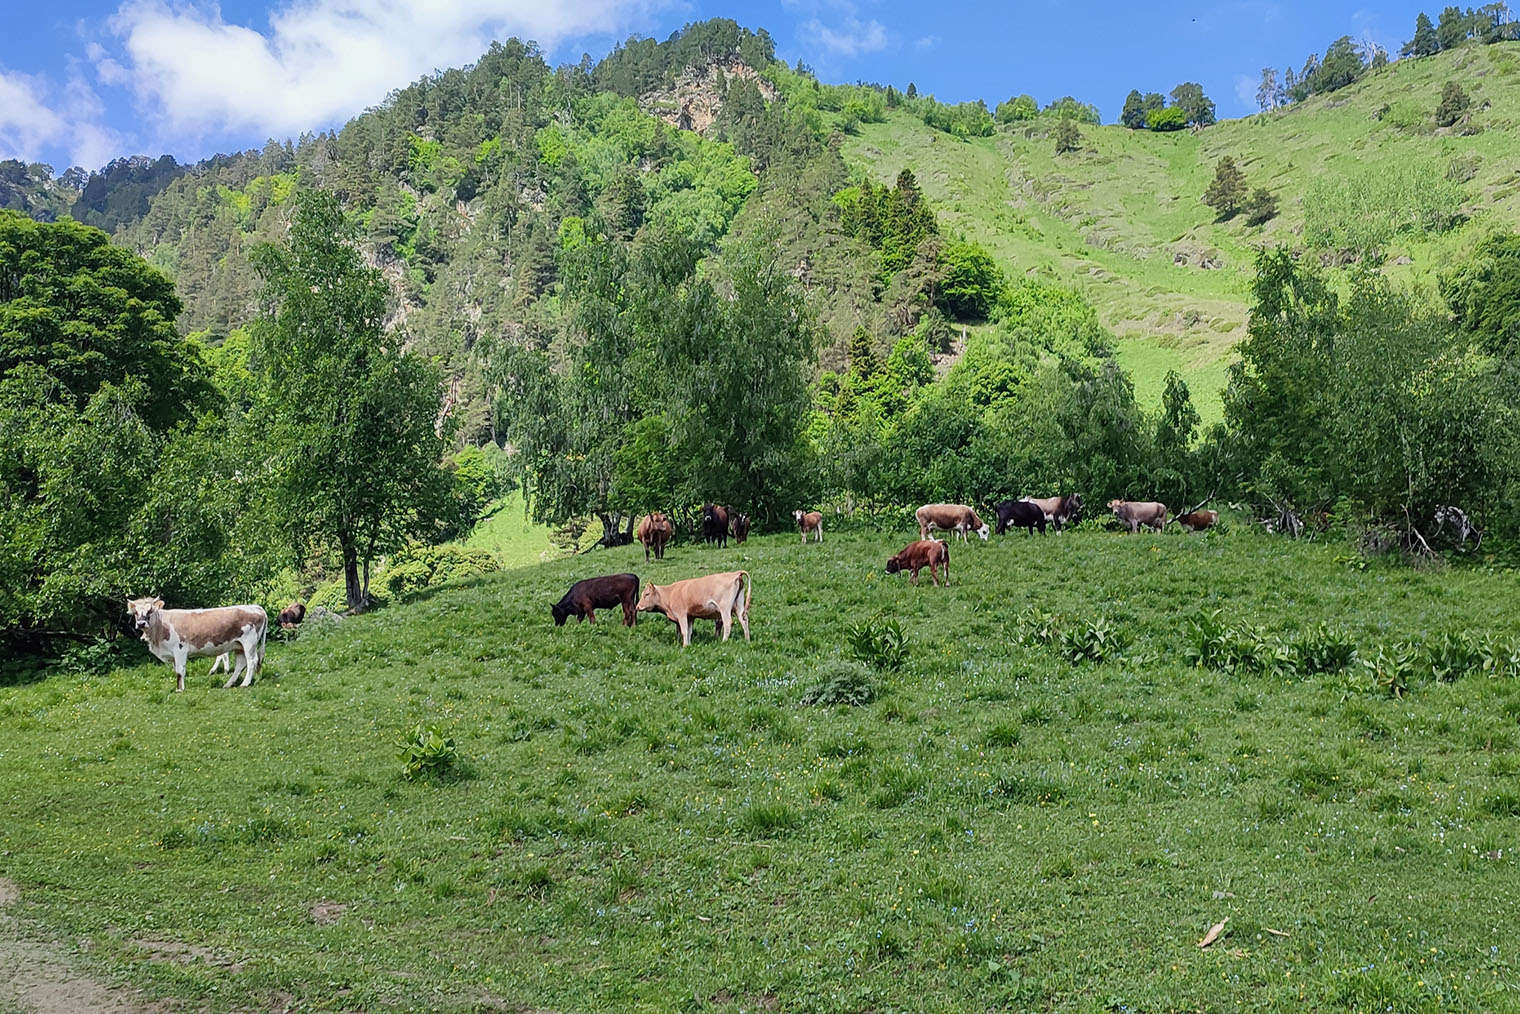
1200, 506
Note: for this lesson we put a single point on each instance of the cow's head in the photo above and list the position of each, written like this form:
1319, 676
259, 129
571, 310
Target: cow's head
894, 564
142, 610
651, 601
984, 531
560, 611
1074, 508
1114, 505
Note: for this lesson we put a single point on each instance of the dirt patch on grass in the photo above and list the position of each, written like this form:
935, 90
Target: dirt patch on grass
37, 977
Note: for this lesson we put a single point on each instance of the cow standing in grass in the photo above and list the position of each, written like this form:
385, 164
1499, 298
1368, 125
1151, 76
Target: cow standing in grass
1134, 513
950, 517
1060, 511
717, 597
917, 555
177, 635
1020, 514
740, 528
585, 597
654, 532
809, 521
715, 525
1197, 521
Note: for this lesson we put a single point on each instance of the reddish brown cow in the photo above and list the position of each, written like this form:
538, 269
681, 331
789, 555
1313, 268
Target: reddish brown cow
715, 524
1197, 521
1135, 513
716, 597
923, 553
654, 531
740, 527
809, 521
585, 597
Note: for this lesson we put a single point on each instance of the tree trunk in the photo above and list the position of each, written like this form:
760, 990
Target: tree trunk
353, 589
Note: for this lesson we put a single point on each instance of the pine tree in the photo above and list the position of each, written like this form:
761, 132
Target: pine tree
862, 354
1228, 191
1260, 207
1133, 116
1454, 104
1424, 42
912, 91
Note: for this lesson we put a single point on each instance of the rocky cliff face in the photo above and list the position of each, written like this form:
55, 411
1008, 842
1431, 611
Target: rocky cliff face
696, 98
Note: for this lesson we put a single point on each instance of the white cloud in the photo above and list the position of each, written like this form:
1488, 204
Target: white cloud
852, 38
35, 117
1245, 89
927, 42
319, 61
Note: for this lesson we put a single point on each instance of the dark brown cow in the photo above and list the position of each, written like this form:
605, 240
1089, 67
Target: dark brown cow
923, 553
741, 528
1197, 521
585, 597
715, 525
809, 521
292, 615
654, 531
1135, 513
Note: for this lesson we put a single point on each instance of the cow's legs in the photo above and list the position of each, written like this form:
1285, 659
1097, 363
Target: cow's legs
913, 578
180, 658
721, 625
684, 626
237, 669
591, 614
742, 611
820, 531
629, 617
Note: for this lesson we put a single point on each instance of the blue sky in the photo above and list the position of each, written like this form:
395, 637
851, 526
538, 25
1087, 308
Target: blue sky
83, 83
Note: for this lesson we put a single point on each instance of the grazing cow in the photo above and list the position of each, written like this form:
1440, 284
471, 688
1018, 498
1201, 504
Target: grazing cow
176, 635
654, 531
1135, 513
741, 528
1197, 521
1059, 510
949, 517
291, 616
716, 597
585, 597
1020, 514
715, 525
809, 521
923, 553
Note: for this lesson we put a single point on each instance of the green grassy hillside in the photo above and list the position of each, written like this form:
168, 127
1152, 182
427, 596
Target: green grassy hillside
1123, 219
637, 827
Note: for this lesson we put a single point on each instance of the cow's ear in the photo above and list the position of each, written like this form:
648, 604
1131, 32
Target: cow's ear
158, 603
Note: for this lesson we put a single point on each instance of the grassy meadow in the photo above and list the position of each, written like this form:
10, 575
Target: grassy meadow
631, 826
1123, 219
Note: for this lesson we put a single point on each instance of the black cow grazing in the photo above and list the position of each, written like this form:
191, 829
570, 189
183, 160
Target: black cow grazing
715, 525
741, 528
1020, 514
585, 597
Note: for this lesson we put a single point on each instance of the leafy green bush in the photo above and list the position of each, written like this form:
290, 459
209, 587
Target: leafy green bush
1099, 641
1321, 651
880, 643
1038, 627
426, 752
1452, 656
841, 681
1391, 668
1017, 109
1169, 118
1498, 657
421, 567
1206, 640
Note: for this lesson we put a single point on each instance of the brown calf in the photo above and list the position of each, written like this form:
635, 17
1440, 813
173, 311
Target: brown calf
716, 597
740, 525
923, 553
291, 616
1197, 521
654, 531
809, 521
585, 597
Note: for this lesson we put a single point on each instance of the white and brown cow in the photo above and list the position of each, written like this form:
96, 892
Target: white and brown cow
1197, 521
1135, 513
1059, 510
716, 597
177, 635
950, 517
809, 521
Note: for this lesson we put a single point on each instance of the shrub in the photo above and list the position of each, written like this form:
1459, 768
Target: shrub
1391, 669
841, 681
1038, 628
1206, 640
1169, 118
1498, 657
1260, 207
1452, 656
426, 753
1321, 651
882, 644
419, 567
1099, 641
1453, 105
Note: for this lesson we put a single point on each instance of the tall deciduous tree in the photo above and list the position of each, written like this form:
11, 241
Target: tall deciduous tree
1269, 92
350, 417
1198, 106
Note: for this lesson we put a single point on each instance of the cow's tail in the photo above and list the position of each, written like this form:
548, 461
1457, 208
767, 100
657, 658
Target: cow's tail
748, 583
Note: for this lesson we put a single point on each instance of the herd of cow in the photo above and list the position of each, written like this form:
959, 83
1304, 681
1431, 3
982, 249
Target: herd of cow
240, 632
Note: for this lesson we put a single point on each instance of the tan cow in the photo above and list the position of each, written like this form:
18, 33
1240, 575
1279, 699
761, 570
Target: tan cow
923, 553
177, 635
1197, 521
1059, 510
1135, 513
716, 597
809, 521
950, 517
654, 531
